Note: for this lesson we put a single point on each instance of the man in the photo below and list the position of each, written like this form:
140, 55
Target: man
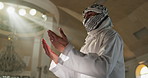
100, 57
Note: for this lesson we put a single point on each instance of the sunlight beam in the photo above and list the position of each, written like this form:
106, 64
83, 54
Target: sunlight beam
10, 9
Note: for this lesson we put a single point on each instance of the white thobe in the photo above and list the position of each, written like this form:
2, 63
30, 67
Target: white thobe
100, 57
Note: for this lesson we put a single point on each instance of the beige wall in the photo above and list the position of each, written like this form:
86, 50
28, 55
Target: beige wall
132, 65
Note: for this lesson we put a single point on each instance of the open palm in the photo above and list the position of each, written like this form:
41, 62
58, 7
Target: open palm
59, 42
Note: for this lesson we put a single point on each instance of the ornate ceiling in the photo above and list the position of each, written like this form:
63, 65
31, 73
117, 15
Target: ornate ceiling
21, 24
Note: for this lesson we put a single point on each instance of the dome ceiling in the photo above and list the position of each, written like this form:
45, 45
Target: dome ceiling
24, 20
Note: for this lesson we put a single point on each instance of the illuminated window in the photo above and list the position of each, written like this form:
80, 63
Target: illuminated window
142, 71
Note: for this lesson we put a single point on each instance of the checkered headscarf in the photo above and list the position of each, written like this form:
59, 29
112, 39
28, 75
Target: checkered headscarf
98, 8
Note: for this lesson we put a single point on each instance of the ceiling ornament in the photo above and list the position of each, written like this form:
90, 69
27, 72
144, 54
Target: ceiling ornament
10, 62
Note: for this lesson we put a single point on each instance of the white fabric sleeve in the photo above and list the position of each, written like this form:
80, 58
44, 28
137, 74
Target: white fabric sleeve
59, 70
92, 64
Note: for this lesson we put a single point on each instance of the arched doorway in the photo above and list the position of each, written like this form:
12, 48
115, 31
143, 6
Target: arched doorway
142, 71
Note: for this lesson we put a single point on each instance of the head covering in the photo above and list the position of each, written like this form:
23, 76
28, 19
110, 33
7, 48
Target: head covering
98, 8
92, 36
94, 22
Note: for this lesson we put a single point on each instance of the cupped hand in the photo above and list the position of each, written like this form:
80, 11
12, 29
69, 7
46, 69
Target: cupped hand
59, 42
49, 52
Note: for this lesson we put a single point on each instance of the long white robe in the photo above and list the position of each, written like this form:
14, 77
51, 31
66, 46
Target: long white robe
100, 57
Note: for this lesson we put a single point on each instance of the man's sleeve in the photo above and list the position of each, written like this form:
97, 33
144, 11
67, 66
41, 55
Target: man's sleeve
60, 70
92, 64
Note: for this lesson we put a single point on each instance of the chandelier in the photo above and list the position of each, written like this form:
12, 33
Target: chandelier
10, 62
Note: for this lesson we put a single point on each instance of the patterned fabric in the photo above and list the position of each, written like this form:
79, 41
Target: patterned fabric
96, 8
94, 22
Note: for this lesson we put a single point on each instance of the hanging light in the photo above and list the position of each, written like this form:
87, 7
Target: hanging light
32, 12
44, 17
10, 62
10, 9
22, 12
1, 5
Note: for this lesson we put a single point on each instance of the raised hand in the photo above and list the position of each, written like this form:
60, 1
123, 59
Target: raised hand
49, 52
59, 42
